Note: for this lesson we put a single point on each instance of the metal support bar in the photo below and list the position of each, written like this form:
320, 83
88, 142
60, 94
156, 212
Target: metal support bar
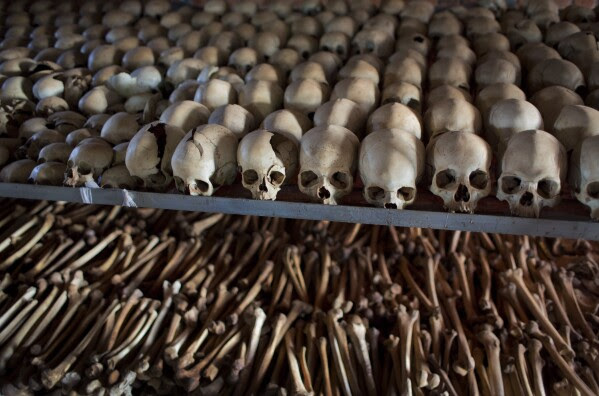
575, 226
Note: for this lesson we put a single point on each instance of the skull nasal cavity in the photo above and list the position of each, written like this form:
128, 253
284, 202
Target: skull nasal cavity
593, 190
527, 199
262, 187
462, 195
390, 206
323, 193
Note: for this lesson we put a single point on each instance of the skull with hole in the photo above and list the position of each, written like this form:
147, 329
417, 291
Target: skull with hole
395, 116
48, 173
533, 170
328, 160
205, 159
391, 164
17, 171
508, 117
119, 177
342, 112
575, 123
266, 160
459, 169
449, 115
87, 162
584, 174
149, 154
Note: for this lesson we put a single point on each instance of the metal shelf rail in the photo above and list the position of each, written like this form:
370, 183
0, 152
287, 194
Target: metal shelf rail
569, 219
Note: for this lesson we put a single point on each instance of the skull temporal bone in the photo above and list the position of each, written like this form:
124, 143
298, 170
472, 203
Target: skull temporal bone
391, 165
459, 164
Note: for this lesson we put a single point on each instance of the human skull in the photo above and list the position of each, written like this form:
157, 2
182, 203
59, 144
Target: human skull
17, 171
532, 54
328, 160
186, 114
37, 141
452, 115
215, 93
391, 163
559, 31
450, 71
551, 100
533, 169
363, 91
55, 152
288, 123
336, 42
495, 71
119, 128
508, 117
459, 166
556, 72
309, 70
306, 96
48, 173
447, 92
522, 32
406, 70
243, 59
149, 154
342, 112
261, 98
87, 162
492, 94
267, 160
119, 177
377, 42
233, 117
584, 174
205, 159
575, 123
395, 116
404, 93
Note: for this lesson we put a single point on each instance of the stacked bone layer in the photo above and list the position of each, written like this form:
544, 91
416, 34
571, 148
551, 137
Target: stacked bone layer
329, 96
100, 300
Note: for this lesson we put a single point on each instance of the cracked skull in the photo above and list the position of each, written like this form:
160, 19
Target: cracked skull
266, 160
391, 165
459, 165
149, 154
533, 170
328, 160
205, 159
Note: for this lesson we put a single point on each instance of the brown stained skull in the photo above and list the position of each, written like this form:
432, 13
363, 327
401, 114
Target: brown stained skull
87, 162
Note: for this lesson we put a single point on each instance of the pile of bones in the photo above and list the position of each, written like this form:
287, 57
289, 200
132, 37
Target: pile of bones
98, 300
467, 102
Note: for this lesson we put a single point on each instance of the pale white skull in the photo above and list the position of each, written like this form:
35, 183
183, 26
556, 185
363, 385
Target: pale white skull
119, 177
266, 160
395, 116
289, 123
261, 98
450, 115
233, 117
360, 90
495, 71
377, 42
328, 160
575, 123
342, 112
215, 93
450, 71
533, 169
492, 94
584, 174
186, 114
149, 154
405, 70
306, 96
508, 117
87, 162
404, 93
459, 167
391, 164
551, 100
205, 159
48, 173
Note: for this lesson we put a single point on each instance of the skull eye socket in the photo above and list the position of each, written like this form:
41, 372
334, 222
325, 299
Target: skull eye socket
593, 190
276, 178
340, 50
510, 184
202, 186
479, 179
375, 193
250, 176
406, 193
419, 39
84, 168
445, 178
308, 179
548, 188
414, 104
340, 180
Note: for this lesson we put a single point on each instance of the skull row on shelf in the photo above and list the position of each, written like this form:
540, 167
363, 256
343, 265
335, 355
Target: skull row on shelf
312, 94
